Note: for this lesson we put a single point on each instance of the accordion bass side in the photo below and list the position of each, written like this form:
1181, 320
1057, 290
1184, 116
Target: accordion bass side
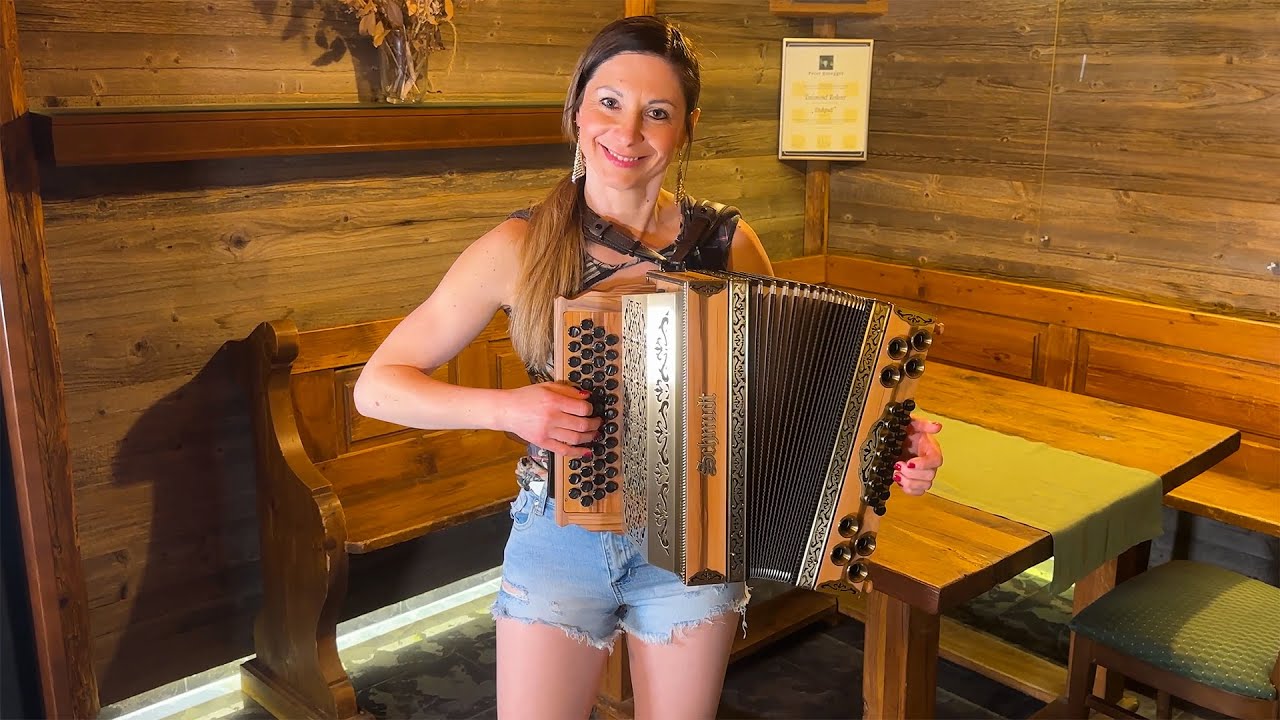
750, 424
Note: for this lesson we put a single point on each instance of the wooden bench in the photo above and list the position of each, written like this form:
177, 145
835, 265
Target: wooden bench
1243, 490
332, 483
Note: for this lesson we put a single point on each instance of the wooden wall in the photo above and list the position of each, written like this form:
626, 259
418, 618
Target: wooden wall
154, 268
1122, 148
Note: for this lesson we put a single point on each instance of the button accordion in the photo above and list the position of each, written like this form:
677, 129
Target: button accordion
750, 424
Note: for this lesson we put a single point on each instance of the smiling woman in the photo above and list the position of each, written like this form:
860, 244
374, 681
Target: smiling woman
567, 593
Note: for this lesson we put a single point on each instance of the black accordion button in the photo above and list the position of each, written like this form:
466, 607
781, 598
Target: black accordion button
575, 331
610, 428
611, 472
574, 493
611, 486
611, 340
598, 332
611, 370
587, 354
575, 361
611, 355
598, 493
611, 442
575, 376
575, 463
575, 346
598, 347
610, 384
587, 501
586, 324
609, 414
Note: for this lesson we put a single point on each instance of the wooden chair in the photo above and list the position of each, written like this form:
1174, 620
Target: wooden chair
332, 483
1190, 630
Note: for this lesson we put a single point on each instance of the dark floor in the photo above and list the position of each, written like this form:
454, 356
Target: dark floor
443, 667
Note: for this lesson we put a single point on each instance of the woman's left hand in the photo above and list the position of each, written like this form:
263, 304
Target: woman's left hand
922, 457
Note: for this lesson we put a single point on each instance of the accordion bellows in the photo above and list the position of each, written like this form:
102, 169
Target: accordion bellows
750, 423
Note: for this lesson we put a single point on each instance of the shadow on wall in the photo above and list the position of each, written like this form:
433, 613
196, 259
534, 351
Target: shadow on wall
192, 601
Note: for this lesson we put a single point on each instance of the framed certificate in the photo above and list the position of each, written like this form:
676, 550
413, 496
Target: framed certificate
826, 94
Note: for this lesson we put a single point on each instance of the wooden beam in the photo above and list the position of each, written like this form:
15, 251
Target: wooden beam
35, 411
817, 177
641, 7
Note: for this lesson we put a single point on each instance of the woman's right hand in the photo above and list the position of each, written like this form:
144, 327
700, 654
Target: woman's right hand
554, 416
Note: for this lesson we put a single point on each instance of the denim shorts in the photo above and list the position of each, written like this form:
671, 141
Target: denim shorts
594, 585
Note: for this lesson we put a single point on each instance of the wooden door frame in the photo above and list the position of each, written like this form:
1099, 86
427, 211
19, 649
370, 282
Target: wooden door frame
35, 412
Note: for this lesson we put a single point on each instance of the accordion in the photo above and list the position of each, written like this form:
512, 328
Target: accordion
750, 424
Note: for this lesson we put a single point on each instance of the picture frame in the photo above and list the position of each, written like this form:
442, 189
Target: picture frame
825, 98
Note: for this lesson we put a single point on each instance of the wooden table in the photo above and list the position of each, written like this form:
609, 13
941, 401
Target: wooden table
934, 554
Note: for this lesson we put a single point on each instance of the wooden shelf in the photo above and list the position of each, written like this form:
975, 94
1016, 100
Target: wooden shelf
828, 8
97, 136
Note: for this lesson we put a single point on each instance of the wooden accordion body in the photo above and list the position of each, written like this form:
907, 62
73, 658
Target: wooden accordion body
750, 423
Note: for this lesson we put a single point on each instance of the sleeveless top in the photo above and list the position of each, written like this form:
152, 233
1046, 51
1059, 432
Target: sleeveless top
710, 253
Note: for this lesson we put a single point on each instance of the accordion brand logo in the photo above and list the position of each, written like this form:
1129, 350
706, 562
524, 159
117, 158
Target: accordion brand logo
707, 448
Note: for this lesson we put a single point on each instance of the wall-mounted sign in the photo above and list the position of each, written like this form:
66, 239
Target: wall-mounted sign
826, 94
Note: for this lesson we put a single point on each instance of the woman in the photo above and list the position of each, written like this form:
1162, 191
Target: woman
567, 592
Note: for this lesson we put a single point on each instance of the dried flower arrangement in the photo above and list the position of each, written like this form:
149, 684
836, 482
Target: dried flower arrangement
406, 32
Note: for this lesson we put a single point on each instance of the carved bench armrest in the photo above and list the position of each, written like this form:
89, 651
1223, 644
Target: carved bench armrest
284, 467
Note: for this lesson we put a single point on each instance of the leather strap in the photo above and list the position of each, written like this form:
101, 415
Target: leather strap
701, 219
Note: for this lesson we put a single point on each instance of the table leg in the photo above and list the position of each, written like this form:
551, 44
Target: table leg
900, 660
1108, 684
615, 699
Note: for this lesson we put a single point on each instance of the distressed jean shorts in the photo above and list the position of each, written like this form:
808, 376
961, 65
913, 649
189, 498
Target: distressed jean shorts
594, 585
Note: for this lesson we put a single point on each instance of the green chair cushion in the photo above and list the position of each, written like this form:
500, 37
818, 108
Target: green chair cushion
1199, 621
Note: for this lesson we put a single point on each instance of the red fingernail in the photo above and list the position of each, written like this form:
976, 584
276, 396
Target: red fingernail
897, 479
897, 466
911, 464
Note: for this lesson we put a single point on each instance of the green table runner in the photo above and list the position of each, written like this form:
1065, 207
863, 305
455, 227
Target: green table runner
1094, 509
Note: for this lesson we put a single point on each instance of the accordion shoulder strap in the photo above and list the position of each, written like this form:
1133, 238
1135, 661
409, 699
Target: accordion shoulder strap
699, 248
696, 248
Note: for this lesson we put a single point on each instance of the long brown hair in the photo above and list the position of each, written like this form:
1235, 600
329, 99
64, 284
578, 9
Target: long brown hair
551, 255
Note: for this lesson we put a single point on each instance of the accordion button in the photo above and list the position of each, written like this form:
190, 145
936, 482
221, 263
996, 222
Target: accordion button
611, 355
611, 458
880, 510
575, 346
575, 376
575, 463
575, 331
609, 414
586, 324
587, 501
611, 472
587, 383
610, 428
611, 340
598, 347
598, 332
611, 486
611, 442
610, 384
598, 493
909, 405
587, 354
611, 370
575, 361
575, 478
574, 493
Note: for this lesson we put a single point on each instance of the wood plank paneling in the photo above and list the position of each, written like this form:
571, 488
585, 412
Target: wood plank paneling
1219, 389
245, 52
1151, 124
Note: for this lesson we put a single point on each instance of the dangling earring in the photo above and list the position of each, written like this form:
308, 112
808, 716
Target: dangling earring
684, 165
579, 163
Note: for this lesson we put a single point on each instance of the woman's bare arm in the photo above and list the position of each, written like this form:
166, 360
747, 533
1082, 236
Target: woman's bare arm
395, 385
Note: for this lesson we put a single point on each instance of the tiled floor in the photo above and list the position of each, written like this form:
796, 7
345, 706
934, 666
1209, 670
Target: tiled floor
443, 666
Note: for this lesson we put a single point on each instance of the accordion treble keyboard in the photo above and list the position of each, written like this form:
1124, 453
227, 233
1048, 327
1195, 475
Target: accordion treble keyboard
750, 423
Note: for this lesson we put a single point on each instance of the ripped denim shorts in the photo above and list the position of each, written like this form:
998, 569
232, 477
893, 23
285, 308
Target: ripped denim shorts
594, 585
